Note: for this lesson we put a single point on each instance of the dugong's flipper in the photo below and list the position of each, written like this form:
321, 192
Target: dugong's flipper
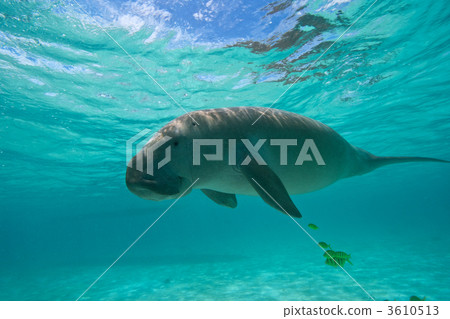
269, 186
220, 198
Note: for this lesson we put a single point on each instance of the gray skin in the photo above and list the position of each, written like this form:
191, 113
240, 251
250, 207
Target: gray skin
274, 182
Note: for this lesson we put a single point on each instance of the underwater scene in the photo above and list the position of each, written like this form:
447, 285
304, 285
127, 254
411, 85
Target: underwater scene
81, 80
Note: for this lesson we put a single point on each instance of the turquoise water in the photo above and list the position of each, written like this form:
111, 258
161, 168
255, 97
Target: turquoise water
70, 98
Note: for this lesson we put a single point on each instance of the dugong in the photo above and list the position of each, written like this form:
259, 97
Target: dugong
225, 154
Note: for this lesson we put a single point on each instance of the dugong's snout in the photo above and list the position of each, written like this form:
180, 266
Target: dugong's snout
162, 185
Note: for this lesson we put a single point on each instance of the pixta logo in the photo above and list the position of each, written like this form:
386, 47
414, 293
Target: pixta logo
251, 151
143, 140
240, 152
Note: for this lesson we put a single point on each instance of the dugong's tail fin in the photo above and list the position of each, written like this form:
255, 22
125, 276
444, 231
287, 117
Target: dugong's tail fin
378, 161
367, 162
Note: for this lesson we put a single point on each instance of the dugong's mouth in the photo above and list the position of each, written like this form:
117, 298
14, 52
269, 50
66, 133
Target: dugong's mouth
158, 187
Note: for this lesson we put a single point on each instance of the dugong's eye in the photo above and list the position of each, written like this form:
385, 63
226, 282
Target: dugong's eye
175, 143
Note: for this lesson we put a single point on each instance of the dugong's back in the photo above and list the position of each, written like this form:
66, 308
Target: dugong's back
275, 127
